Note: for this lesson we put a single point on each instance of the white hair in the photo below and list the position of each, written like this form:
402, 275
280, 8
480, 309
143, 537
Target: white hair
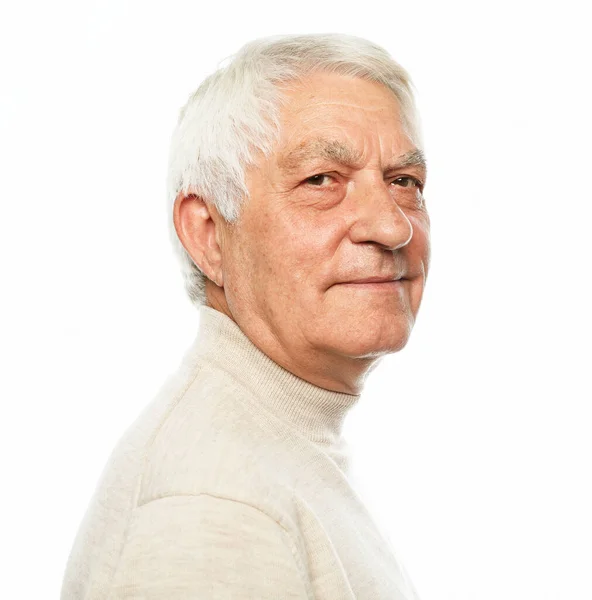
235, 112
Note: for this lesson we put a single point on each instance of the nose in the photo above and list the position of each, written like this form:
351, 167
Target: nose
378, 217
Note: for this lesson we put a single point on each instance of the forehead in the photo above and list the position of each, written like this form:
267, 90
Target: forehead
360, 115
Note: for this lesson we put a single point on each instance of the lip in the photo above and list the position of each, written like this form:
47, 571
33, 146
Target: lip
376, 280
376, 283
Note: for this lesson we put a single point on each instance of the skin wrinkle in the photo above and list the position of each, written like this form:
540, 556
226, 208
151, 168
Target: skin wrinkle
333, 150
283, 267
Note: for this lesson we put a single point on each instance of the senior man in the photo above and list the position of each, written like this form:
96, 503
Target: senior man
296, 205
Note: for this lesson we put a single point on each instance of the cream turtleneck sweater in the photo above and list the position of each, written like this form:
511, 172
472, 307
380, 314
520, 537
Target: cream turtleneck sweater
232, 484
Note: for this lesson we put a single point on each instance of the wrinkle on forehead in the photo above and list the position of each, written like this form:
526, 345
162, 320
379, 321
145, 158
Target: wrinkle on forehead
341, 153
378, 107
356, 117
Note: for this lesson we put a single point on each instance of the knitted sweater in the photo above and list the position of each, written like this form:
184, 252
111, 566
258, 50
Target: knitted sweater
232, 484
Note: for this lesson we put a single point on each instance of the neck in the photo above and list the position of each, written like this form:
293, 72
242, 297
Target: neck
316, 412
333, 372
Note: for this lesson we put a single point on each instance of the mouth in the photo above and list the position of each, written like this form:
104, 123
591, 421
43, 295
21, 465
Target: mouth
376, 283
376, 280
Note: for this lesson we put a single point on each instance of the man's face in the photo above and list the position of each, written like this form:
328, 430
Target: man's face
330, 207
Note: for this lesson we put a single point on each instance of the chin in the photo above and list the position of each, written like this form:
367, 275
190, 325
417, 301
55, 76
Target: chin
377, 349
373, 342
366, 323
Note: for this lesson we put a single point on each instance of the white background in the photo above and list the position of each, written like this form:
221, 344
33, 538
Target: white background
472, 446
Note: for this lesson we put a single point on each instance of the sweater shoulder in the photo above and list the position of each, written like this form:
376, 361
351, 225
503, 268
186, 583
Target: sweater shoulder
216, 441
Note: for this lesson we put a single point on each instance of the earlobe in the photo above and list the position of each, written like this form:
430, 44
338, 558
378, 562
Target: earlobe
197, 231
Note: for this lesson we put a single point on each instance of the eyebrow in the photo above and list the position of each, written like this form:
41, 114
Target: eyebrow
343, 154
413, 158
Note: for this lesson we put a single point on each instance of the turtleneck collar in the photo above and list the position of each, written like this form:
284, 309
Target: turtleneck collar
317, 413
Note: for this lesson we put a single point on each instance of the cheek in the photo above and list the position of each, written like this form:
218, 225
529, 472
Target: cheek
285, 253
420, 242
419, 259
311, 244
262, 253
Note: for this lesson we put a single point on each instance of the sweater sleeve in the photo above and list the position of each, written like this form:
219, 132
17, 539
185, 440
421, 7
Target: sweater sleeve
201, 547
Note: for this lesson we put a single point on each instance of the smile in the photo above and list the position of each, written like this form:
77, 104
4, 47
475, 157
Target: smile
391, 285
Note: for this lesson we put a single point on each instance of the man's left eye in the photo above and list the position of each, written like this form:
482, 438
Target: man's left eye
408, 182
318, 180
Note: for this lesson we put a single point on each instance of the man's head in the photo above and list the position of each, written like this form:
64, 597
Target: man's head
296, 176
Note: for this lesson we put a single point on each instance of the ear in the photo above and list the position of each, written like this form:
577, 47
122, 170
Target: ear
198, 226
